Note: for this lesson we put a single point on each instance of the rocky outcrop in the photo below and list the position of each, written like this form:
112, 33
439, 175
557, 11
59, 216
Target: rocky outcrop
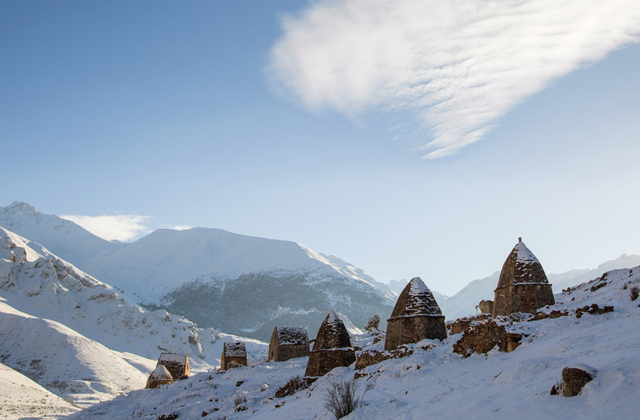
523, 284
415, 317
575, 377
486, 306
331, 349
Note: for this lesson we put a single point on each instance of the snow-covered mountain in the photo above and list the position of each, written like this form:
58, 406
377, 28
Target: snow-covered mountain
436, 383
238, 284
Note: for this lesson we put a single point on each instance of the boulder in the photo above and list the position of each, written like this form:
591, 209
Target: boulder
575, 377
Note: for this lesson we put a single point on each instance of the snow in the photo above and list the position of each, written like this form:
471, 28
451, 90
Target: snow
292, 336
20, 398
161, 373
235, 349
172, 357
419, 301
524, 255
438, 383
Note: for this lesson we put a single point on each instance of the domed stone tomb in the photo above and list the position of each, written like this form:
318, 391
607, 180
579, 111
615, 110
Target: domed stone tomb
159, 376
177, 364
331, 349
415, 317
523, 285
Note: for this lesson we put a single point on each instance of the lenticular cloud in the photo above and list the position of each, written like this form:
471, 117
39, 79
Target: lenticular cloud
461, 64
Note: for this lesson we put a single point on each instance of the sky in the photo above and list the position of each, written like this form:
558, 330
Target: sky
410, 138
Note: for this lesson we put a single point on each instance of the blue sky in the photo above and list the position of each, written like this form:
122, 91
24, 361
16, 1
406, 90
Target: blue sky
308, 122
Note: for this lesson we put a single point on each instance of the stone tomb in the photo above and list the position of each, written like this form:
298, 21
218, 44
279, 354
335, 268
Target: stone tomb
288, 343
523, 284
234, 354
177, 364
160, 376
415, 317
331, 349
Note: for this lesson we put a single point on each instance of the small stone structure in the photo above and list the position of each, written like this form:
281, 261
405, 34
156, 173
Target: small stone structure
177, 364
415, 317
481, 338
575, 377
486, 306
234, 354
288, 343
159, 376
331, 349
523, 285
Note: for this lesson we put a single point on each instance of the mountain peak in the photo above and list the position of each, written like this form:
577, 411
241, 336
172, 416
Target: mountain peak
19, 206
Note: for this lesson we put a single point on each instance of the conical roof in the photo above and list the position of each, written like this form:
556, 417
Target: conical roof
160, 373
521, 267
332, 334
416, 299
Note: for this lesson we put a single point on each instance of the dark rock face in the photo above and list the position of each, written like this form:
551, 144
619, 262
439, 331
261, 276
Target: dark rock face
288, 343
234, 354
574, 378
331, 349
415, 317
523, 284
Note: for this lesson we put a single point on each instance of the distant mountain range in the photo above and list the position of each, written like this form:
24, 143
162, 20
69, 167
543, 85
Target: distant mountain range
234, 283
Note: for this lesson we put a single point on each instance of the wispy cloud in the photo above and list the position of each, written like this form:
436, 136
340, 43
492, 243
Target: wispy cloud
121, 227
459, 64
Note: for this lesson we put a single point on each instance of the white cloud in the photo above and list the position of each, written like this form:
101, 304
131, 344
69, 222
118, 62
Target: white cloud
121, 227
461, 64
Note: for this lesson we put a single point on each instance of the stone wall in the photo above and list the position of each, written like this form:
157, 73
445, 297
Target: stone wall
412, 329
522, 298
323, 361
482, 338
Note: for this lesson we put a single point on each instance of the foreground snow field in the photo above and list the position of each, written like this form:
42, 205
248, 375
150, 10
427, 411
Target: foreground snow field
437, 383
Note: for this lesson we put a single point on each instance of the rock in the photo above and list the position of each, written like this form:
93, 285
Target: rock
482, 338
486, 306
575, 377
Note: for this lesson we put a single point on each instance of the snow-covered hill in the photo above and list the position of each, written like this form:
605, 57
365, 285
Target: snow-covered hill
35, 281
238, 284
63, 361
436, 383
21, 398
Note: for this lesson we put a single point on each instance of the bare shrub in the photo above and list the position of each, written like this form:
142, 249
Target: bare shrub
633, 292
341, 399
241, 402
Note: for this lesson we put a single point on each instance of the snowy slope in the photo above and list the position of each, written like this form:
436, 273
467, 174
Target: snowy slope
206, 275
437, 383
37, 282
20, 398
63, 361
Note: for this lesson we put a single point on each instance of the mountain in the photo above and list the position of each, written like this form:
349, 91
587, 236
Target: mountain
234, 283
435, 382
37, 282
22, 398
